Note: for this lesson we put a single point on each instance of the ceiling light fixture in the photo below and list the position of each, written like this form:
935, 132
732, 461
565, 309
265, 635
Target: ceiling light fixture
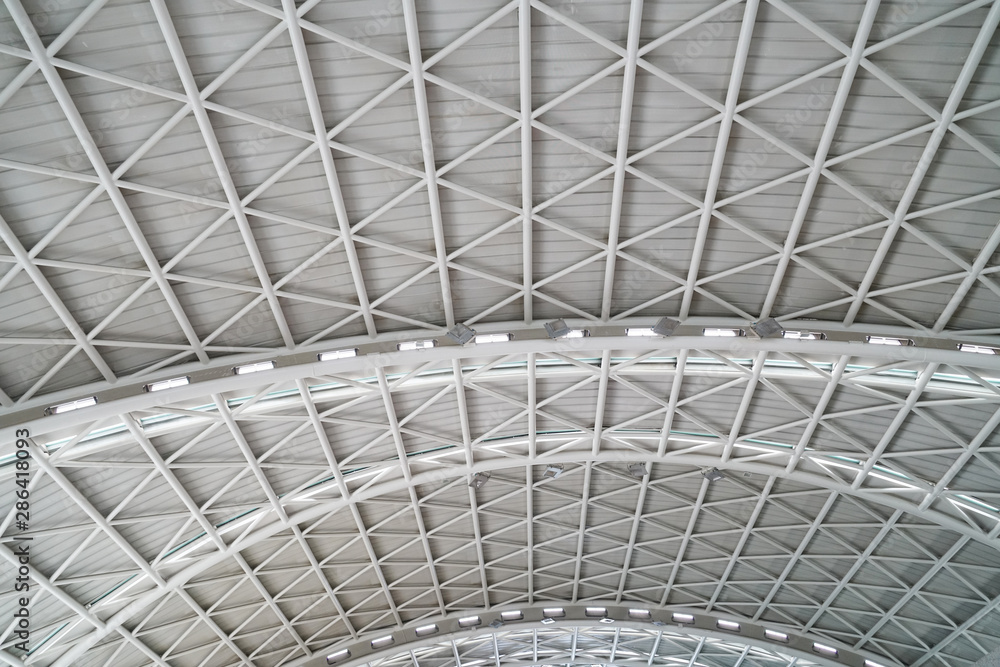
722, 333
461, 334
167, 384
557, 329
769, 328
72, 405
479, 480
887, 340
552, 471
803, 335
978, 349
712, 474
665, 326
254, 368
338, 354
493, 338
342, 654
409, 345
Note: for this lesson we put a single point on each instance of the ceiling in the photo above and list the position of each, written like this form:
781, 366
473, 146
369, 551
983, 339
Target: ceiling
188, 188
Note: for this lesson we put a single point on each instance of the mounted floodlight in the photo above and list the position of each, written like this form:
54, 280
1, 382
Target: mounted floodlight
640, 614
552, 471
254, 368
514, 615
479, 480
483, 339
577, 333
732, 626
633, 332
72, 405
713, 474
425, 630
167, 384
557, 329
637, 470
496, 624
665, 326
338, 354
461, 334
769, 328
416, 345
596, 612
678, 617
383, 641
775, 636
872, 663
469, 622
547, 620
553, 612
342, 654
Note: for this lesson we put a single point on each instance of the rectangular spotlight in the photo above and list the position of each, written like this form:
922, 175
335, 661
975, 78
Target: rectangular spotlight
732, 626
338, 354
577, 333
469, 622
72, 405
557, 328
597, 612
769, 328
167, 384
461, 334
553, 612
254, 368
713, 474
410, 345
872, 663
485, 339
425, 630
678, 617
633, 332
637, 470
383, 641
640, 614
665, 326
479, 480
775, 636
514, 615
552, 471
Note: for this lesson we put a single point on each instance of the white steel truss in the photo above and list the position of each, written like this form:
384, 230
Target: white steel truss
186, 187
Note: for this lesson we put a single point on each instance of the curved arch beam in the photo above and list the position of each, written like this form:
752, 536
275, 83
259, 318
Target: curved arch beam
217, 378
492, 622
269, 524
